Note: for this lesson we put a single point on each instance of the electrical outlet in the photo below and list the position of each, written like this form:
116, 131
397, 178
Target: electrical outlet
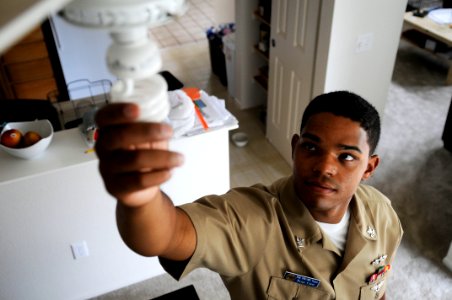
364, 42
80, 249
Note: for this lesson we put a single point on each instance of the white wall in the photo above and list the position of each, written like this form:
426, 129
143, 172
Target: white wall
367, 73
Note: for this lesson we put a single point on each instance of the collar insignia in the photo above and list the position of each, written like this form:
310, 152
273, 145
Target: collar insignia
371, 232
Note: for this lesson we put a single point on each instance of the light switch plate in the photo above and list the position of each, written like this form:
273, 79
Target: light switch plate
80, 249
364, 42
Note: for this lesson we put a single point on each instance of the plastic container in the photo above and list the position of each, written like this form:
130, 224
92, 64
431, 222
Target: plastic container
240, 139
217, 57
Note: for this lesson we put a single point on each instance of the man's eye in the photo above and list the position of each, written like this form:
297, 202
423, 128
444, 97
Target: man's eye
308, 146
347, 157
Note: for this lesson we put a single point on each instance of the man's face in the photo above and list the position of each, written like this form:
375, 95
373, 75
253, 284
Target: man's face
330, 158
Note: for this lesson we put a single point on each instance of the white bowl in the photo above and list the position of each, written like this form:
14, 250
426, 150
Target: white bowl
240, 139
45, 130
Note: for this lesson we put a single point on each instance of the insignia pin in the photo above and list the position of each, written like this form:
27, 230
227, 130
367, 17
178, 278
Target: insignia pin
371, 232
300, 242
377, 287
379, 260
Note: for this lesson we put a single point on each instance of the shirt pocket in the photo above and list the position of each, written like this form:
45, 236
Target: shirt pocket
373, 290
282, 289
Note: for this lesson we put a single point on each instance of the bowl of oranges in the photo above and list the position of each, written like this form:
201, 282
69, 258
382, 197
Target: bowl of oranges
26, 139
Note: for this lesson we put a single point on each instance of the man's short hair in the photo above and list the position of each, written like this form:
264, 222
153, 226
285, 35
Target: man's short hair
349, 105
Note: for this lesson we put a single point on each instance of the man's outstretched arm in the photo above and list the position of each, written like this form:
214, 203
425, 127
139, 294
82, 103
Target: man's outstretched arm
134, 161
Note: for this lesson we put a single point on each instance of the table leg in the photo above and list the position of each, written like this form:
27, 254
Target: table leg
447, 133
449, 75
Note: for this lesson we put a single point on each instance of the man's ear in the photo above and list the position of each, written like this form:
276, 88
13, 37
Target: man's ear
372, 165
294, 142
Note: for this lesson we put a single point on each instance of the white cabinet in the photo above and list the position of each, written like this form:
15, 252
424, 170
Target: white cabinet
59, 199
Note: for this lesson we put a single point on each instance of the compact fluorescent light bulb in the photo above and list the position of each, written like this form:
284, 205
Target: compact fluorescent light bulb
133, 56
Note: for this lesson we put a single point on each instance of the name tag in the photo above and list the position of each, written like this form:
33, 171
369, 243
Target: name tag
301, 279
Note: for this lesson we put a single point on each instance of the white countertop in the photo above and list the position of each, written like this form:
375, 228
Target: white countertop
66, 149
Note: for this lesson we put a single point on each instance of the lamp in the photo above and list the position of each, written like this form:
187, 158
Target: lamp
132, 57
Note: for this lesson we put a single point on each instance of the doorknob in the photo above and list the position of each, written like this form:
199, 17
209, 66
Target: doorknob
273, 43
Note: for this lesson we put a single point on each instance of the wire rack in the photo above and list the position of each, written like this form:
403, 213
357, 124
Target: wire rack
85, 96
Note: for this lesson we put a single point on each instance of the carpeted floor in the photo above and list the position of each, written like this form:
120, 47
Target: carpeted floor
415, 173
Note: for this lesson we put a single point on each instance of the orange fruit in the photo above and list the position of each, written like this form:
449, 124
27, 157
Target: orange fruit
31, 138
11, 138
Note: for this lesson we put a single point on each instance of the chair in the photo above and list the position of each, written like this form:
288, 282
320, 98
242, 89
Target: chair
19, 110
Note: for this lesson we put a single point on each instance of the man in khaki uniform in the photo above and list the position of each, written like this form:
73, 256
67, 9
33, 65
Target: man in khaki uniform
317, 234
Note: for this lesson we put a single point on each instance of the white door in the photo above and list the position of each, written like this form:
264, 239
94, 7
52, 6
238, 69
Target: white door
294, 30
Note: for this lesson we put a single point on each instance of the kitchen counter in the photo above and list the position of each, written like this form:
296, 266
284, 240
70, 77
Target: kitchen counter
66, 150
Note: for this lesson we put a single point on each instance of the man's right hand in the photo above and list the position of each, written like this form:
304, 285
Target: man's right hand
133, 156
134, 161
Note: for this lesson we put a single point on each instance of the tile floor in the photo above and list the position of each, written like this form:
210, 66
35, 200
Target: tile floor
190, 62
190, 27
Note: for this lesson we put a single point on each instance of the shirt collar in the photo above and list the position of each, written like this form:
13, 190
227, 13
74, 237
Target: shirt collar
304, 226
362, 214
300, 219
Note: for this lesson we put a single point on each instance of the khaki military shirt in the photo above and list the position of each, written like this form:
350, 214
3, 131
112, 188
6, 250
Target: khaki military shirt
252, 236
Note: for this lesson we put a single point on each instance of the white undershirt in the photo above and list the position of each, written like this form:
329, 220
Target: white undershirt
337, 232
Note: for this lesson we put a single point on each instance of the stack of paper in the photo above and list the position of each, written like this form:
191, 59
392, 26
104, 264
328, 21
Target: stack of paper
186, 122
